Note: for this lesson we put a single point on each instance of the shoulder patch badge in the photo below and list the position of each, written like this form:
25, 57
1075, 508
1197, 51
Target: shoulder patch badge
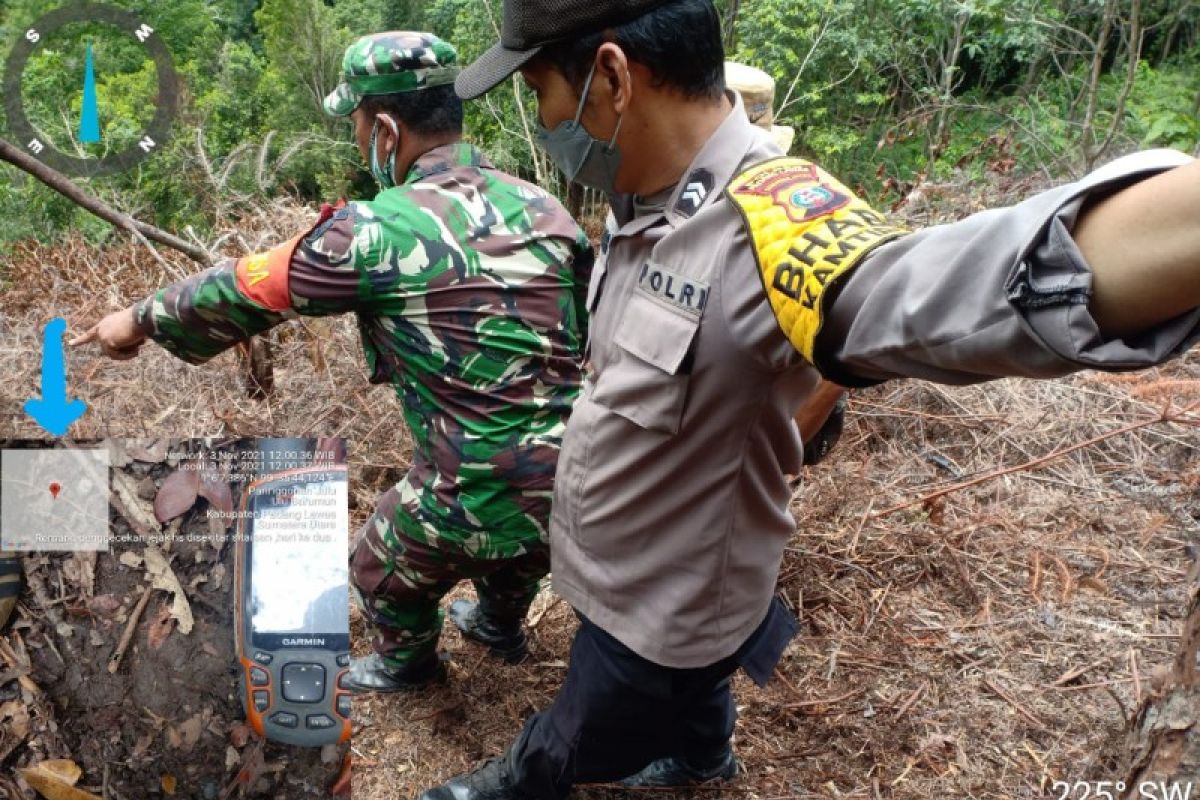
696, 189
807, 230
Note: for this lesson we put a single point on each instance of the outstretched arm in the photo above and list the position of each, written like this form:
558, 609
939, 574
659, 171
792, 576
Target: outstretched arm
1103, 273
207, 313
195, 319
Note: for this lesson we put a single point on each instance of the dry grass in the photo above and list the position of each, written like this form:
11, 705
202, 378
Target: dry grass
977, 646
321, 384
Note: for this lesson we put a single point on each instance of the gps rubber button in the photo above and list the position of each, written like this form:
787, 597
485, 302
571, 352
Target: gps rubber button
343, 705
319, 721
285, 720
259, 677
262, 700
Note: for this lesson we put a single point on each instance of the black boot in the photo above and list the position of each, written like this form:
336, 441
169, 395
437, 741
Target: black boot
371, 674
492, 781
506, 639
676, 772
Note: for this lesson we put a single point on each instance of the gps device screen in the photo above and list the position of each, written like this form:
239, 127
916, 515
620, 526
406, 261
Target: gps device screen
299, 564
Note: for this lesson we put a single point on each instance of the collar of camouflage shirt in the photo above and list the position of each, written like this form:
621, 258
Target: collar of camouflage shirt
446, 158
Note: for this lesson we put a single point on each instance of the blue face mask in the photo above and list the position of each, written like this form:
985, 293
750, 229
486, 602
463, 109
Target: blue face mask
385, 174
581, 158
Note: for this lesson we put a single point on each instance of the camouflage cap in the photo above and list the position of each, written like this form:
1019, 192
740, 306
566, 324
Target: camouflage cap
392, 62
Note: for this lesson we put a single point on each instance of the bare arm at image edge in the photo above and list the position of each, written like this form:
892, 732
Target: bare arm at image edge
1143, 245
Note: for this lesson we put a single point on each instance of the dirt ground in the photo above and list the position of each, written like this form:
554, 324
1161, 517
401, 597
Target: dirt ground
168, 721
983, 644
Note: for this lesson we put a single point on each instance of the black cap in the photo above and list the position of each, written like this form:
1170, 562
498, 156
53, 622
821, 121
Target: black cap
529, 25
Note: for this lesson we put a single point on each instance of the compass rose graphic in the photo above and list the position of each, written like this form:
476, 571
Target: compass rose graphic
115, 24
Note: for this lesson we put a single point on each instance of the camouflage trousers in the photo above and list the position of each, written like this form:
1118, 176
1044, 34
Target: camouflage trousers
402, 581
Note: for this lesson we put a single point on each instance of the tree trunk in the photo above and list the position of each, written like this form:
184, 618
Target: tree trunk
1135, 55
1163, 737
1087, 133
575, 200
950, 77
731, 25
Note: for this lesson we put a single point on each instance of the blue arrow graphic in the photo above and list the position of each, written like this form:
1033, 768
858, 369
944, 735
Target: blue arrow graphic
89, 123
53, 411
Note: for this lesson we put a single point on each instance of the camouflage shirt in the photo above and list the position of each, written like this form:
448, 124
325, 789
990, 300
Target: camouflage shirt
468, 286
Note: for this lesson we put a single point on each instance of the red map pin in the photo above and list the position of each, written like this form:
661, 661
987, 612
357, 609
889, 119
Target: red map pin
55, 488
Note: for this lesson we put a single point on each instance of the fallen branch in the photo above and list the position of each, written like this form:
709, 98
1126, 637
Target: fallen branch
533, 623
114, 661
824, 701
69, 189
259, 363
1165, 416
1012, 701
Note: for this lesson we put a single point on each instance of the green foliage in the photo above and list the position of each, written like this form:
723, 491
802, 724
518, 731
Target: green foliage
304, 47
880, 91
917, 86
1163, 113
504, 122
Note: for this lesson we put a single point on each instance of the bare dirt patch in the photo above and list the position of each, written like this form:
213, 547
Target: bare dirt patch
134, 684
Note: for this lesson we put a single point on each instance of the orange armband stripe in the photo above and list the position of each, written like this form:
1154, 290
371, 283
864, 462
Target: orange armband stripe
263, 277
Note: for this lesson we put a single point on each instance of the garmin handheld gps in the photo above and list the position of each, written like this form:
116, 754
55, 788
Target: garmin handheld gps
292, 607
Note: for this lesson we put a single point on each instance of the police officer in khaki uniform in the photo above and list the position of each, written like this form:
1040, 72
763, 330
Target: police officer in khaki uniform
731, 280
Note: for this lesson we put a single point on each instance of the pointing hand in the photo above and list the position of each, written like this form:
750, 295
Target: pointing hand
117, 333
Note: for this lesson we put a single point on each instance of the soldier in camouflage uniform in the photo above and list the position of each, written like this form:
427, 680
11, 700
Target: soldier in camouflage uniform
467, 286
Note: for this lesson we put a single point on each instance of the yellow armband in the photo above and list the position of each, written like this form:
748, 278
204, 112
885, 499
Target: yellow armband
807, 230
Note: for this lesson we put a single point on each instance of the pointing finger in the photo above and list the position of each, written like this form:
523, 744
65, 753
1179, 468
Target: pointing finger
86, 338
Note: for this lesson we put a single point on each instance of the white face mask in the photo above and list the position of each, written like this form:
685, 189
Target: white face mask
385, 174
582, 158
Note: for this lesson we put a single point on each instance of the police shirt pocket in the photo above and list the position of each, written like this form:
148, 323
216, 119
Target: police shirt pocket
647, 380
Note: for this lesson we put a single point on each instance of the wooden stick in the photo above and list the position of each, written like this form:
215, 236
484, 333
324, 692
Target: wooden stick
532, 626
1076, 672
260, 374
69, 189
1137, 681
910, 702
1020, 709
114, 661
826, 701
